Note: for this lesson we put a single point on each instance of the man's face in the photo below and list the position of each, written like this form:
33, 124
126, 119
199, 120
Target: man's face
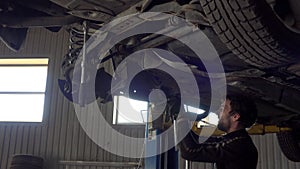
224, 116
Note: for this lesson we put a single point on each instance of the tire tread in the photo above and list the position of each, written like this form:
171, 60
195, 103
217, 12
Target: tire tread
239, 24
289, 145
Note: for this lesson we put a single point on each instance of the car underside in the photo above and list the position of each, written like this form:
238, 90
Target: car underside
258, 44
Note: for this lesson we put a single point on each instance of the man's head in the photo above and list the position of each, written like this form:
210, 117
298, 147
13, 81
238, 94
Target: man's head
237, 112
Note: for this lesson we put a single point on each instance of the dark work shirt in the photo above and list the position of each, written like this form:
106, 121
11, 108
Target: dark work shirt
234, 150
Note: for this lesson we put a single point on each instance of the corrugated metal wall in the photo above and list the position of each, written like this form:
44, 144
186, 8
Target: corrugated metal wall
270, 155
60, 136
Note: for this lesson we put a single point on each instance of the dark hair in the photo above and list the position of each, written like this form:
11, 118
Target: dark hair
245, 107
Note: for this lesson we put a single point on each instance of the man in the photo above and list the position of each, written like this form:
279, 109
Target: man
235, 150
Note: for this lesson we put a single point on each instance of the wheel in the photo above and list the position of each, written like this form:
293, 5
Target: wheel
253, 30
289, 142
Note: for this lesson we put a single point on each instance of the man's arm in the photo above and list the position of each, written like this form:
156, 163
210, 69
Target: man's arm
212, 150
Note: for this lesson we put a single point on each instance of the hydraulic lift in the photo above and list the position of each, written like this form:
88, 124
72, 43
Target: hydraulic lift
159, 122
157, 143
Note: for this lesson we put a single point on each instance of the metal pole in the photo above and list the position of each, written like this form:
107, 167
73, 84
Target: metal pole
188, 164
83, 67
99, 164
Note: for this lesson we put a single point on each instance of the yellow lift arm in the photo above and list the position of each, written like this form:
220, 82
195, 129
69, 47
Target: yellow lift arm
257, 129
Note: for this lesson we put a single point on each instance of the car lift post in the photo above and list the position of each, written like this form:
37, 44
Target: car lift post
155, 143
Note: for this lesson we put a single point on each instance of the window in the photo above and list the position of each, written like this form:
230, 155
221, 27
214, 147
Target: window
22, 89
212, 118
129, 111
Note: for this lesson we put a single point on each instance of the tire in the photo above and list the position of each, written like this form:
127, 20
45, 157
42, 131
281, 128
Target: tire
289, 144
252, 31
26, 161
